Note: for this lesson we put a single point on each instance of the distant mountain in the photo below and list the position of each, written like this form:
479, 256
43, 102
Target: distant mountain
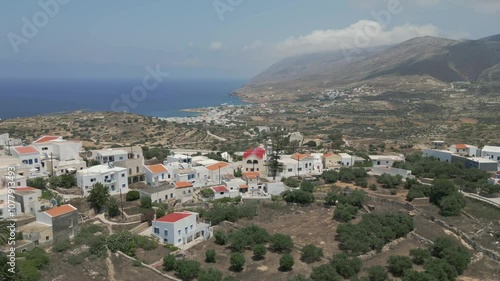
434, 59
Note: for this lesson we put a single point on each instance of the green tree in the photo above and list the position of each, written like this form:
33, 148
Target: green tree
440, 269
331, 198
67, 181
377, 273
440, 189
98, 197
220, 238
298, 196
40, 183
237, 261
207, 193
187, 269
452, 205
211, 274
132, 195
238, 173
259, 251
330, 176
113, 207
286, 262
451, 252
325, 272
344, 212
210, 256
146, 203
397, 265
311, 253
345, 265
307, 186
281, 243
412, 275
169, 262
419, 255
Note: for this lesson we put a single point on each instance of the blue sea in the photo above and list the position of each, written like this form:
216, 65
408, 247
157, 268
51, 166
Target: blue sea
21, 98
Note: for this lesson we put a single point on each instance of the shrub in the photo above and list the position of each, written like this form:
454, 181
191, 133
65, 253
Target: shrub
145, 243
397, 265
451, 252
97, 245
146, 203
345, 212
220, 238
345, 265
373, 187
311, 253
137, 263
169, 262
286, 262
377, 273
440, 269
419, 255
187, 269
61, 246
211, 274
259, 251
325, 272
123, 241
210, 256
133, 195
113, 207
281, 243
237, 261
76, 259
207, 193
412, 275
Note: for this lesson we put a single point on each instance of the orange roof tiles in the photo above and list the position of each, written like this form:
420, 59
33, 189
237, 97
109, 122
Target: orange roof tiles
61, 210
461, 146
26, 150
328, 154
183, 184
217, 166
46, 139
158, 168
174, 217
25, 188
251, 175
243, 186
298, 156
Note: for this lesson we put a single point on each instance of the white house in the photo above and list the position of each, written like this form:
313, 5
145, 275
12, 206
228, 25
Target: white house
202, 176
220, 192
114, 178
28, 155
254, 160
156, 174
183, 191
12, 170
5, 211
180, 228
318, 163
297, 165
218, 170
110, 155
347, 160
491, 152
160, 194
464, 150
440, 155
179, 158
235, 186
60, 156
28, 198
385, 160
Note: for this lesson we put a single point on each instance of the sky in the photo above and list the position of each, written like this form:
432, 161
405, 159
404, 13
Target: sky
214, 39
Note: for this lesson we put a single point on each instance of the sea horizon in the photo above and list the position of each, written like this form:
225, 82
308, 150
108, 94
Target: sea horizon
34, 97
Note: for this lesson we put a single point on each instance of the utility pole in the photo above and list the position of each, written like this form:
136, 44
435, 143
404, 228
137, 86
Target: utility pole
219, 175
8, 147
121, 201
51, 165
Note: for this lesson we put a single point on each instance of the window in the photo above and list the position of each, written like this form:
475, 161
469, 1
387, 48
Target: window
290, 170
123, 175
300, 169
112, 187
47, 238
45, 148
157, 230
191, 227
36, 160
179, 240
123, 185
179, 232
30, 198
137, 169
25, 162
165, 232
171, 195
186, 230
93, 180
30, 161
121, 157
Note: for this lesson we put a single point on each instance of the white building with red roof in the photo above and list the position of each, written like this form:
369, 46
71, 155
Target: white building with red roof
28, 198
221, 191
28, 155
180, 228
254, 160
156, 174
59, 156
465, 150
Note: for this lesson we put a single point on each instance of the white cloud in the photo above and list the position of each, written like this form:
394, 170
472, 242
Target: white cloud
215, 45
364, 33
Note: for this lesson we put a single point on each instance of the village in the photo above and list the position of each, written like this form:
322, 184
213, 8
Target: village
183, 200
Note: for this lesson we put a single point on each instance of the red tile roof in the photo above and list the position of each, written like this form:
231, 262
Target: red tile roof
25, 188
174, 217
61, 210
158, 168
461, 146
46, 139
251, 175
243, 186
257, 152
217, 166
26, 149
298, 156
220, 189
183, 184
328, 154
